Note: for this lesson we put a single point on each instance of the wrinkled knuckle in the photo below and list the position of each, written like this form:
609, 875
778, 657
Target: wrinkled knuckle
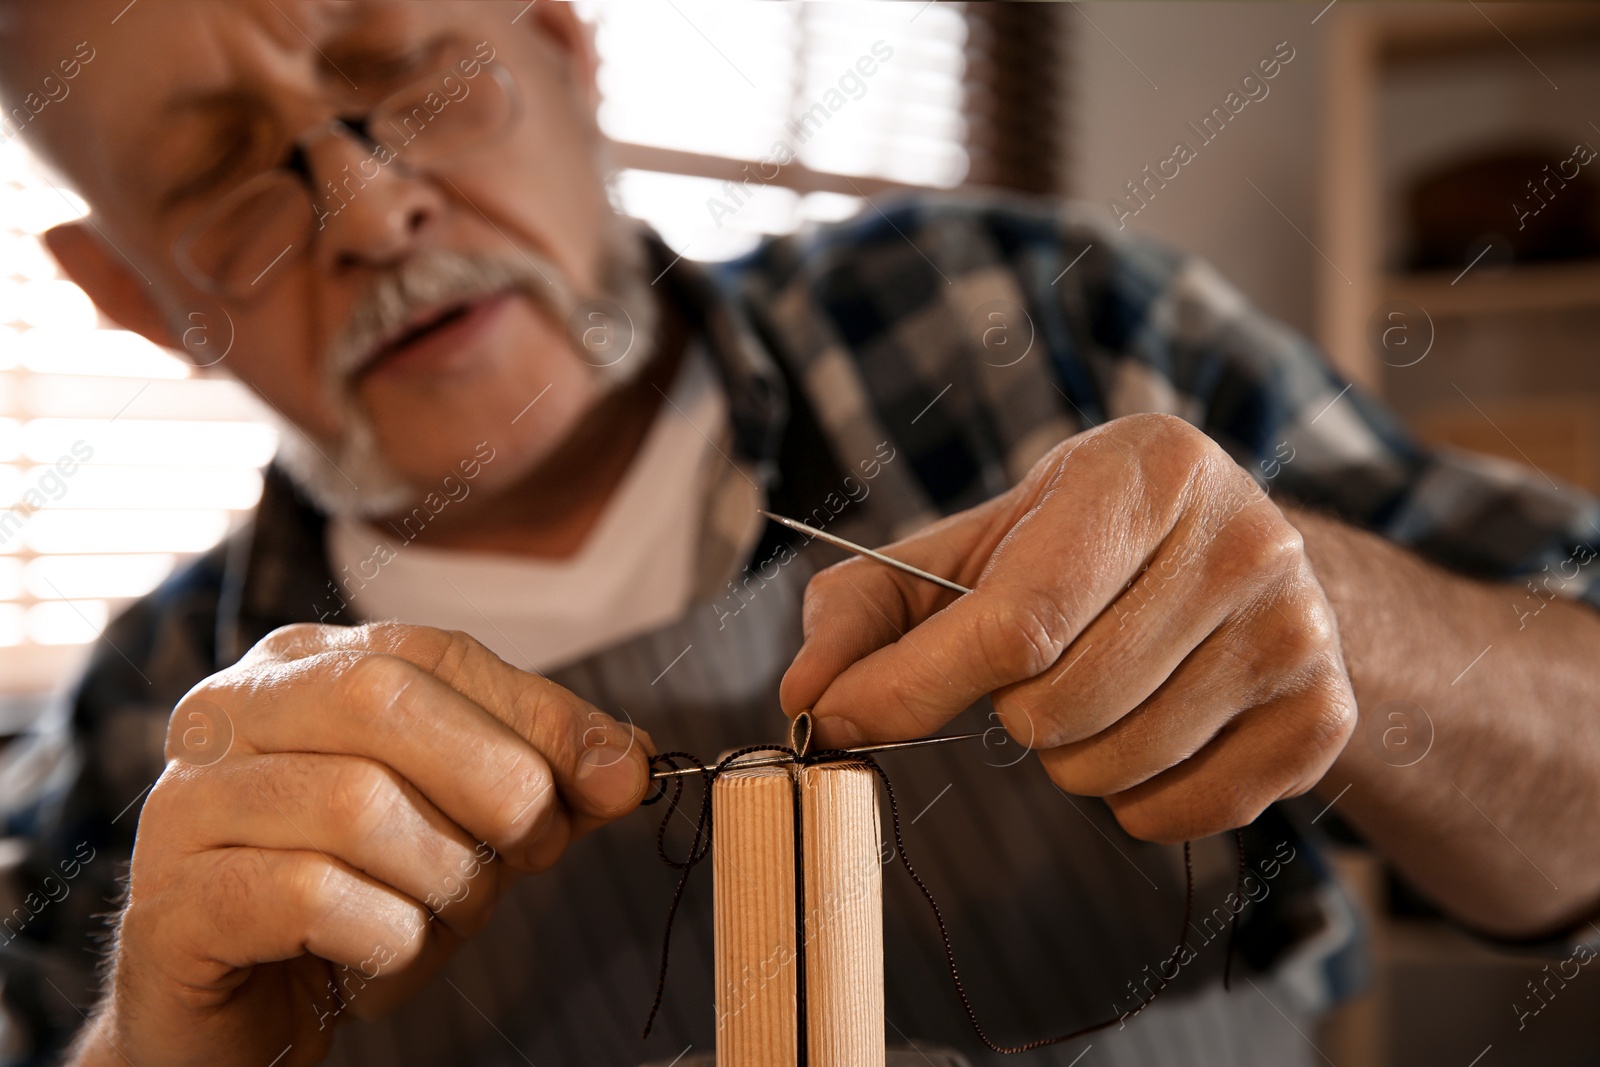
1330, 722
1159, 426
202, 727
311, 883
294, 640
459, 649
369, 685
1020, 637
1175, 439
422, 644
1318, 636
539, 702
1033, 716
1284, 654
529, 798
167, 801
1264, 547
408, 949
400, 929
229, 889
361, 797
215, 691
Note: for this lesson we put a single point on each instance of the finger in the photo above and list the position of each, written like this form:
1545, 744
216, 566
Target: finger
1200, 698
1101, 514
355, 810
237, 907
855, 607
1188, 613
601, 770
479, 772
1277, 750
1057, 563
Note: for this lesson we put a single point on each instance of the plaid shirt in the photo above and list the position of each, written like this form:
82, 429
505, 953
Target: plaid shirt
969, 334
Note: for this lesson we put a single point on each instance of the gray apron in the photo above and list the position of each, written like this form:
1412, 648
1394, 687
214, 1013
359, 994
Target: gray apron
1055, 913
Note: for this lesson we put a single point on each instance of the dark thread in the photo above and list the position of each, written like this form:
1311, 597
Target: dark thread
700, 846
1233, 923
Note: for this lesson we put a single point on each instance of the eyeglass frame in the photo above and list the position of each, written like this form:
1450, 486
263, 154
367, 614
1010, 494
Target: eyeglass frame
298, 166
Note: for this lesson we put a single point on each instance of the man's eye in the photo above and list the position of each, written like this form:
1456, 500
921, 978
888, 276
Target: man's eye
200, 183
213, 170
398, 66
390, 66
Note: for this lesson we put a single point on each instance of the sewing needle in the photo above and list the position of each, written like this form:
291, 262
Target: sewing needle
862, 550
780, 760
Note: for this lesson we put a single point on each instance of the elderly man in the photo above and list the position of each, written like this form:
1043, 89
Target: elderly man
497, 424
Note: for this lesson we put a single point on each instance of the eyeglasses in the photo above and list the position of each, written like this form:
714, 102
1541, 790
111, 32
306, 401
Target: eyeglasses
233, 247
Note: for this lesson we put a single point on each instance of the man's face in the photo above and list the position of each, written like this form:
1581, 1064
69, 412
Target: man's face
185, 100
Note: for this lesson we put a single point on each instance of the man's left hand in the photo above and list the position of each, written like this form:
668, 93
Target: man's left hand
1141, 613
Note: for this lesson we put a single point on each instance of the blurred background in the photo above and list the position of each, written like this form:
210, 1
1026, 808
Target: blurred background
1415, 187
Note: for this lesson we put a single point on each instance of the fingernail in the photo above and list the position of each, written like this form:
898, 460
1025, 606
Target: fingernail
836, 733
608, 779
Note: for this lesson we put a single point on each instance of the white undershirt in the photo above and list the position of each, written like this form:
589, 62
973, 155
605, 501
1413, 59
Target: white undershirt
635, 572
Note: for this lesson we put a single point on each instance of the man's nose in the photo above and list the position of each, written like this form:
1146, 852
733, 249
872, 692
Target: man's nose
368, 214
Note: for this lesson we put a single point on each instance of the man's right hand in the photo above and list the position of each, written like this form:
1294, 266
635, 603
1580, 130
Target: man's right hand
380, 788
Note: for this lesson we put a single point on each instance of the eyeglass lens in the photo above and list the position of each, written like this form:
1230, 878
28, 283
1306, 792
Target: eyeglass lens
236, 244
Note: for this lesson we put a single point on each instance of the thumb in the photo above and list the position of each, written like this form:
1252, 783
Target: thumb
856, 607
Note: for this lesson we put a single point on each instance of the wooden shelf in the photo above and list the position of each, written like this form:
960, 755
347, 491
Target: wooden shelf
1455, 31
1367, 43
1498, 291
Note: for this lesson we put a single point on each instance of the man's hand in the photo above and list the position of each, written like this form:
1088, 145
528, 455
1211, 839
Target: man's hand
380, 788
1141, 613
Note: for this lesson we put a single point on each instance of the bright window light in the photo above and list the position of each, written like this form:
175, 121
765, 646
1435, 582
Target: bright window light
52, 531
35, 210
12, 630
86, 350
55, 304
78, 577
23, 258
66, 622
145, 442
229, 488
75, 396
856, 90
661, 64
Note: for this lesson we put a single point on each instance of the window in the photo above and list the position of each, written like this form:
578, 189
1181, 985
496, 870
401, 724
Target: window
116, 459
735, 120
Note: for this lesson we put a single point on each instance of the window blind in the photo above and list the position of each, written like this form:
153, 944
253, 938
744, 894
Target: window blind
730, 121
117, 461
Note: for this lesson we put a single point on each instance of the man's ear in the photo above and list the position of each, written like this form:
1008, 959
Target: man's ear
118, 292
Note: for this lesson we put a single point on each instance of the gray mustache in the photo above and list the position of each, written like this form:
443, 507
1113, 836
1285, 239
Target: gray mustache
432, 278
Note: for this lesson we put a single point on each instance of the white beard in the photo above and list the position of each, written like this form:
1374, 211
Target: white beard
352, 476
